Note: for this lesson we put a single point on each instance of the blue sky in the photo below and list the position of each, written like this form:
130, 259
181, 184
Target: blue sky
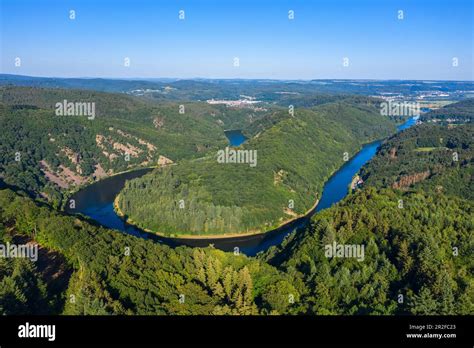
258, 32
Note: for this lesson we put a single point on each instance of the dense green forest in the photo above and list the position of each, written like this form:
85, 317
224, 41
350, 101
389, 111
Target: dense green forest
120, 274
296, 155
435, 158
413, 213
22, 290
47, 155
422, 251
418, 239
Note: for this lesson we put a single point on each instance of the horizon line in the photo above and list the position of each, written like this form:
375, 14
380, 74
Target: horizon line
230, 78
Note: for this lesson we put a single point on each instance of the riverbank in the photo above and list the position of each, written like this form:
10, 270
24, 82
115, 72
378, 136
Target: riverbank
129, 221
356, 181
252, 233
68, 194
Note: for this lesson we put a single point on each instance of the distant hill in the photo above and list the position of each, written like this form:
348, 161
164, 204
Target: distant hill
97, 84
106, 104
282, 92
460, 112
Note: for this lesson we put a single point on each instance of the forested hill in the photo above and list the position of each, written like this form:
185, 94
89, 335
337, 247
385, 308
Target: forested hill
409, 252
194, 118
431, 157
114, 273
295, 156
418, 239
107, 104
460, 112
46, 154
96, 84
331, 106
417, 260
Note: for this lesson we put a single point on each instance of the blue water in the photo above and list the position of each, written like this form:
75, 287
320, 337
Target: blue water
96, 202
105, 214
410, 122
236, 138
336, 188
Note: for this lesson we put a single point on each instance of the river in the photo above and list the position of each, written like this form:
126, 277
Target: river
96, 202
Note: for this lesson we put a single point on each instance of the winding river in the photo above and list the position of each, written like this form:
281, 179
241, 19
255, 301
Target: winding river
96, 202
